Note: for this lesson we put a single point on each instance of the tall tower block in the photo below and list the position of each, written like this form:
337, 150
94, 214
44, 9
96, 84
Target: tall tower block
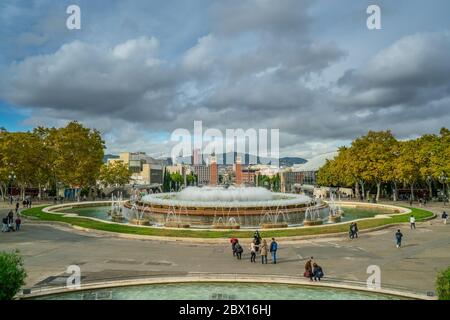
213, 181
238, 171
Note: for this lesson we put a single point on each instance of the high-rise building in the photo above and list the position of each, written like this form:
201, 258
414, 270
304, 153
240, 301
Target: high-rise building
214, 178
238, 171
203, 174
197, 157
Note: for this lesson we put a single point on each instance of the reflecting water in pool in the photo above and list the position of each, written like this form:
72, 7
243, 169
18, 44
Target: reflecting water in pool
219, 291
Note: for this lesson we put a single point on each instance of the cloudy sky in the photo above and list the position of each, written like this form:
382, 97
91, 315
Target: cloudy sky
139, 69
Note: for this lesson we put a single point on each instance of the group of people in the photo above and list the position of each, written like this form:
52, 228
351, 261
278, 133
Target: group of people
257, 245
9, 224
313, 271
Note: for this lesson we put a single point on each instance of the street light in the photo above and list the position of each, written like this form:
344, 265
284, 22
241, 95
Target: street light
11, 177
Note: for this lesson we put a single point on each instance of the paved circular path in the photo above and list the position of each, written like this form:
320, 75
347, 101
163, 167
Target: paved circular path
48, 250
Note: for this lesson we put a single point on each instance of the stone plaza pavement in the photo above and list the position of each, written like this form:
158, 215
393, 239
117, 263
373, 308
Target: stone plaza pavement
49, 249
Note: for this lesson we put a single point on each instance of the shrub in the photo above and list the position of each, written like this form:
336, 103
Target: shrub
443, 285
12, 274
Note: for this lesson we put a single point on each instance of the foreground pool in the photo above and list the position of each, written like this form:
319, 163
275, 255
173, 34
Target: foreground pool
219, 291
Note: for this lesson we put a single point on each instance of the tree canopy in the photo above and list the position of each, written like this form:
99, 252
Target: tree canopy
378, 158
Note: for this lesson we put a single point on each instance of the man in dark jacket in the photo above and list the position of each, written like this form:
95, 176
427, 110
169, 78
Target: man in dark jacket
399, 237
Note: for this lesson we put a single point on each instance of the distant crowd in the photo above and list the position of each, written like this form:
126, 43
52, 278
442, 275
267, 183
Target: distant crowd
12, 221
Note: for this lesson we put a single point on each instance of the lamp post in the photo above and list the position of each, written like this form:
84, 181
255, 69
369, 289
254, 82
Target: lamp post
11, 177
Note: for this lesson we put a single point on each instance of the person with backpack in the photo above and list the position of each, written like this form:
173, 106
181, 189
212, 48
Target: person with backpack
273, 250
398, 237
444, 217
239, 250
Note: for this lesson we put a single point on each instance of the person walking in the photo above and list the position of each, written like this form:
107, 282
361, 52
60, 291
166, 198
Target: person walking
399, 237
17, 207
253, 251
239, 250
233, 242
257, 238
273, 250
350, 231
264, 250
444, 217
18, 223
5, 227
412, 222
355, 230
309, 270
317, 272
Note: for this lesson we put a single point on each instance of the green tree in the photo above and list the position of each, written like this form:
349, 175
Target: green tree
79, 153
115, 174
12, 274
407, 164
21, 153
375, 155
443, 284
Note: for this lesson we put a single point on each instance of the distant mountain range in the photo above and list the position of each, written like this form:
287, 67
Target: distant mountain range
283, 162
245, 160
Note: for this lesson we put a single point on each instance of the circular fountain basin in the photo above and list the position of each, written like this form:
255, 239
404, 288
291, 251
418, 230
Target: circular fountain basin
224, 208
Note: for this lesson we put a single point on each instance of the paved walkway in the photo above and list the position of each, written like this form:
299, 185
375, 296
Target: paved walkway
48, 250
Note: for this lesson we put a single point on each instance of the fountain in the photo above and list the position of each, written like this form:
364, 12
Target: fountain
335, 211
226, 221
137, 216
312, 216
116, 208
251, 207
270, 220
173, 220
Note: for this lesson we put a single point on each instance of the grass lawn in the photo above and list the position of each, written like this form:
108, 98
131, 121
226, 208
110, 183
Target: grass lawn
37, 212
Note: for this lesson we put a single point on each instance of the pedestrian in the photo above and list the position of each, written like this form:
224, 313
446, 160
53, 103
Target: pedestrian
29, 203
253, 251
350, 231
233, 242
273, 250
239, 250
257, 238
317, 272
398, 237
18, 223
309, 269
264, 250
355, 230
444, 217
5, 224
10, 217
412, 222
17, 207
